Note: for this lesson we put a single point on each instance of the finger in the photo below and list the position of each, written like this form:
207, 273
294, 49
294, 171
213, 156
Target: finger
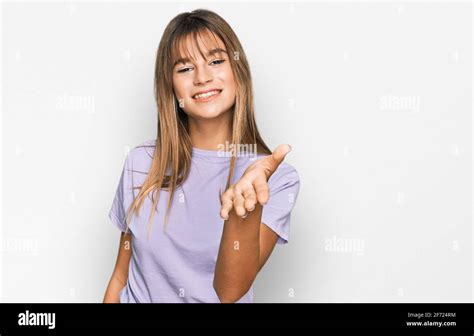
250, 198
227, 202
278, 156
239, 202
261, 188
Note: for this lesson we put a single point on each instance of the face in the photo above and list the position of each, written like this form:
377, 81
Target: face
205, 88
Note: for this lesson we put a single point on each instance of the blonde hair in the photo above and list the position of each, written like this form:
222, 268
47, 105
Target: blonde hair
173, 148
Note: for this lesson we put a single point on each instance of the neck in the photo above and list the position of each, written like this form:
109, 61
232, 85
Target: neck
209, 134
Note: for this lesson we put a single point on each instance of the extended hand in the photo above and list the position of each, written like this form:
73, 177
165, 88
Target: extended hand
253, 185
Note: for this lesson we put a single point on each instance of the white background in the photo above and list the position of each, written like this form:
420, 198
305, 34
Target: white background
375, 98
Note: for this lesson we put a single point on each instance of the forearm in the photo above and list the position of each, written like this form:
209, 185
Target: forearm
113, 289
238, 259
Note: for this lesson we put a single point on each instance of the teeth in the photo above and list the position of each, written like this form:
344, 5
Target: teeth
207, 94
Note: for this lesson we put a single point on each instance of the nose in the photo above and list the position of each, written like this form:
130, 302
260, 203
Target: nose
202, 75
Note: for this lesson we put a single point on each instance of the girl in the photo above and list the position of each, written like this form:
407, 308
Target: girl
223, 197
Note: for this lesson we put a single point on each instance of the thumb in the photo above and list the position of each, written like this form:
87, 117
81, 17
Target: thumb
278, 155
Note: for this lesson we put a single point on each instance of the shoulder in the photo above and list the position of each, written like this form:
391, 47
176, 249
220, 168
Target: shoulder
286, 174
139, 158
145, 148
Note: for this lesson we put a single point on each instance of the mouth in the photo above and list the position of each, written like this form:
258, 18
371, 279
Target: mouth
207, 96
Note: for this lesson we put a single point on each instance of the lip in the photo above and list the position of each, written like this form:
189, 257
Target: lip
205, 100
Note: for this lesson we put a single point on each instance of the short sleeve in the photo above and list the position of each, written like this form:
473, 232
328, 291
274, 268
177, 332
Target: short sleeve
284, 186
117, 212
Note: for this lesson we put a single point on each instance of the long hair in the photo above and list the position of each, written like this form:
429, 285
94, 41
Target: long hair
173, 149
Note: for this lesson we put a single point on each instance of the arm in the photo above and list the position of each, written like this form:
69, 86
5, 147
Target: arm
246, 243
120, 273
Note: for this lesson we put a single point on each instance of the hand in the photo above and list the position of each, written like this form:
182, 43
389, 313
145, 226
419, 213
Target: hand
253, 185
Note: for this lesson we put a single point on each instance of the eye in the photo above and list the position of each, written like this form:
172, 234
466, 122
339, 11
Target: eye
218, 62
215, 62
183, 70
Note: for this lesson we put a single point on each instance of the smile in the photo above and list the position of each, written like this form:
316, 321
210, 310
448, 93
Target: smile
205, 97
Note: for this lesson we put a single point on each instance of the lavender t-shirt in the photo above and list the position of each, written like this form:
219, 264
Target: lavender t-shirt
178, 265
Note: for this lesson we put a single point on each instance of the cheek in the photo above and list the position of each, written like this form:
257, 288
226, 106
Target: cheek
227, 78
183, 89
179, 87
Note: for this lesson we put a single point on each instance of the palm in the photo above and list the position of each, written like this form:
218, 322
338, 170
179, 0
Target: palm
252, 187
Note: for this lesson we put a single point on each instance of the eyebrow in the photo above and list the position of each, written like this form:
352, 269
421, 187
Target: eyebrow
210, 53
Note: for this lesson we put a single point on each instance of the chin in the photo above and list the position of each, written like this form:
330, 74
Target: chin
208, 114
211, 112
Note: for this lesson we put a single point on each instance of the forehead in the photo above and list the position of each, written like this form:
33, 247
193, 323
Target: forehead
195, 45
